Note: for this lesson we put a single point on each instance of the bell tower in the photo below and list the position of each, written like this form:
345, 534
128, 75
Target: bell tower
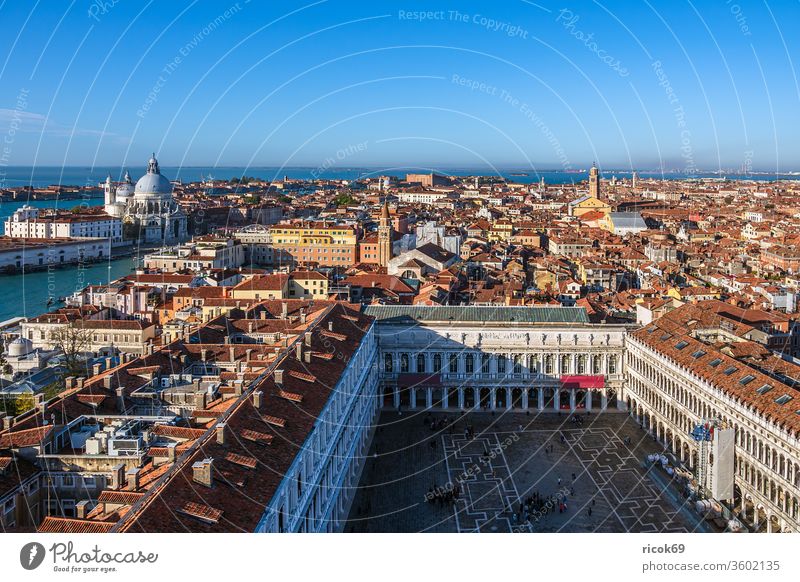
594, 181
384, 236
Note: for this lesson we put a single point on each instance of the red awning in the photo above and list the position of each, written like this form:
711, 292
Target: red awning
583, 382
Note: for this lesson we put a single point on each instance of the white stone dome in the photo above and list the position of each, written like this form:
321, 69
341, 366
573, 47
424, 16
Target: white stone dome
20, 347
125, 189
153, 184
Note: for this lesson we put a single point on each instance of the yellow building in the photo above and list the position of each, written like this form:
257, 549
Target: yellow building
324, 244
586, 204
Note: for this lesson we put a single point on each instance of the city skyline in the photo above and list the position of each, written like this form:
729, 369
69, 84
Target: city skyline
523, 85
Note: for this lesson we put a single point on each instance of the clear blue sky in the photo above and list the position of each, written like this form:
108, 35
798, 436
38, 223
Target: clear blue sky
704, 84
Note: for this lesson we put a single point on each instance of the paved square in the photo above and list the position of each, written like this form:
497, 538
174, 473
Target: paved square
509, 457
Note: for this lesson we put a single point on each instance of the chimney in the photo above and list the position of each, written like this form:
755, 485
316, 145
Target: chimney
82, 508
248, 354
303, 316
221, 429
117, 476
307, 338
330, 325
299, 351
202, 472
307, 357
121, 399
284, 310
69, 382
79, 382
250, 326
8, 422
199, 400
171, 451
257, 398
204, 354
132, 477
107, 382
279, 377
96, 369
232, 352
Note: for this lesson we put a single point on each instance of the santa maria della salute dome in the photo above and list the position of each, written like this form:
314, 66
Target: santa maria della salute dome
148, 210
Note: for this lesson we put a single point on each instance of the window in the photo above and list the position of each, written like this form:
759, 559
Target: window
404, 363
437, 363
501, 364
469, 364
453, 363
420, 363
747, 379
698, 354
783, 399
681, 344
729, 370
485, 363
764, 389
612, 365
388, 364
715, 362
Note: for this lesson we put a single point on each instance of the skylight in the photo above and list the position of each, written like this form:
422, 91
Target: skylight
715, 362
747, 379
764, 389
698, 354
729, 370
681, 344
783, 399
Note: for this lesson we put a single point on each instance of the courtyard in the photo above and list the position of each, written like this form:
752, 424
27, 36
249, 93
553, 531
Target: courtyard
495, 460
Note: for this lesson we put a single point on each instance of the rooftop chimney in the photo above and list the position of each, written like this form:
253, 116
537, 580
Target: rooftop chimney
82, 508
330, 325
204, 355
257, 398
307, 338
303, 316
132, 476
107, 382
117, 476
202, 472
284, 310
79, 382
121, 399
221, 428
96, 369
171, 451
8, 422
307, 357
299, 350
279, 377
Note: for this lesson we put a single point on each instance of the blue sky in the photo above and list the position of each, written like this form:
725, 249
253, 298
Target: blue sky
673, 84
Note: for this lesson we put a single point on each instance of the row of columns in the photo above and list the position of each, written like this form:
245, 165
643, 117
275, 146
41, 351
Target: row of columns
528, 363
524, 401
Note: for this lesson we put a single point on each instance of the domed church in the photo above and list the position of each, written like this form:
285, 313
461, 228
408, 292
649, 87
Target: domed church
149, 207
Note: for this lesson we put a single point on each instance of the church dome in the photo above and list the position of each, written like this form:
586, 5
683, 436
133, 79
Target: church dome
153, 184
20, 347
125, 189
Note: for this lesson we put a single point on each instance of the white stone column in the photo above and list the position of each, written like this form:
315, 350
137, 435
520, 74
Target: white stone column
572, 400
603, 399
540, 398
396, 397
493, 398
461, 398
557, 400
477, 404
445, 397
428, 397
588, 400
508, 398
525, 398
413, 395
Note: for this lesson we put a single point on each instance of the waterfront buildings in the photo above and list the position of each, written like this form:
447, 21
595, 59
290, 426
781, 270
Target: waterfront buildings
21, 253
29, 222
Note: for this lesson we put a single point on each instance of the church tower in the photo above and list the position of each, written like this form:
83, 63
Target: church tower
109, 195
384, 236
594, 182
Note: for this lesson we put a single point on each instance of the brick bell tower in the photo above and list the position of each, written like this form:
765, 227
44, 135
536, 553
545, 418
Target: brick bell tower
384, 236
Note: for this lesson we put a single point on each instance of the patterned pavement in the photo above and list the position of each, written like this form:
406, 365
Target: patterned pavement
511, 456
